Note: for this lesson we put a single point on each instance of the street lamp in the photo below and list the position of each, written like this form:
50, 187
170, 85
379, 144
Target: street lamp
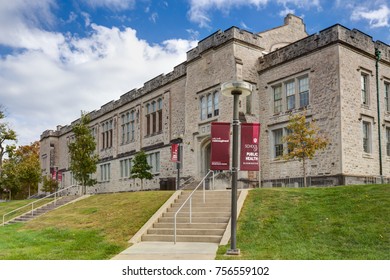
235, 89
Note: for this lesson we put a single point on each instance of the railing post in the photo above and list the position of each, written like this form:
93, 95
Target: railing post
191, 210
174, 238
32, 209
204, 190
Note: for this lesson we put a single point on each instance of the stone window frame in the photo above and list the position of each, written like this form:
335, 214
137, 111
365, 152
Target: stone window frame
154, 116
365, 88
107, 133
105, 172
154, 160
290, 96
367, 126
128, 121
125, 166
209, 105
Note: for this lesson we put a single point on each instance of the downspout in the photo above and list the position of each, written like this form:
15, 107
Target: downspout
378, 57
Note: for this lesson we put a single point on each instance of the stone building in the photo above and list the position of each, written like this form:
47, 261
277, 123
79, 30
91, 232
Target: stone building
331, 75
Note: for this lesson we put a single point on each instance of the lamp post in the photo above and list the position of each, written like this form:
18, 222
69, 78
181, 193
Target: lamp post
235, 89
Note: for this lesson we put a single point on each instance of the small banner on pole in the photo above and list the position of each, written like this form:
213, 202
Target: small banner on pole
175, 152
220, 146
250, 134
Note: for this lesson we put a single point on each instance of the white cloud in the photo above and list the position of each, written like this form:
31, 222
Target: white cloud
376, 17
115, 5
286, 11
200, 9
56, 75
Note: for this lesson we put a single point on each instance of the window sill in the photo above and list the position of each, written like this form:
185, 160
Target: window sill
208, 120
368, 156
154, 134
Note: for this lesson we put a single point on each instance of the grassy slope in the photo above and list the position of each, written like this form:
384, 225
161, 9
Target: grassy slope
94, 228
350, 222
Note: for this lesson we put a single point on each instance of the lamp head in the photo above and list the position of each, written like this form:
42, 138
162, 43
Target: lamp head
236, 87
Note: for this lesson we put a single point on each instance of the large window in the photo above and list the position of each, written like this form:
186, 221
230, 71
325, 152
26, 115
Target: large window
209, 105
367, 137
105, 172
154, 161
364, 89
107, 131
125, 166
290, 94
128, 127
154, 117
278, 144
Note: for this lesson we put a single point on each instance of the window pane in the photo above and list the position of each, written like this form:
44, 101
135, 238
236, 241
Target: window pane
364, 79
216, 104
290, 92
278, 145
366, 137
277, 99
203, 104
209, 106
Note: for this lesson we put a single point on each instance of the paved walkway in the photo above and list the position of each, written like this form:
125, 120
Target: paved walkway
169, 251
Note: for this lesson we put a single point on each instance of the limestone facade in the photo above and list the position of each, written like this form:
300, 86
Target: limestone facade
181, 105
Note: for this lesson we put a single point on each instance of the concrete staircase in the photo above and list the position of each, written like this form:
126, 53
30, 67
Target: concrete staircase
42, 210
209, 220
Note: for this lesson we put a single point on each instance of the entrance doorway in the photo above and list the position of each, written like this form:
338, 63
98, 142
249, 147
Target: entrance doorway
205, 157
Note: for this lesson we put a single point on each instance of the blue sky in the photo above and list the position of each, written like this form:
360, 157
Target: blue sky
58, 57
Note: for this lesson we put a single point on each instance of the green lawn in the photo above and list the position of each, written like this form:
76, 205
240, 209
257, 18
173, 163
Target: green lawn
97, 227
351, 222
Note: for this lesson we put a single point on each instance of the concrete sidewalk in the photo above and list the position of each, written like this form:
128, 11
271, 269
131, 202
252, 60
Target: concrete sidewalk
169, 251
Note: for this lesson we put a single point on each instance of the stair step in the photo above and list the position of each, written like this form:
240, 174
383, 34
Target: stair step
181, 238
170, 231
197, 209
197, 214
192, 225
195, 219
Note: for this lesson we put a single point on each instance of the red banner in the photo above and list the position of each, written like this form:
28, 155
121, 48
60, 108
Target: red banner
175, 152
59, 176
220, 146
250, 134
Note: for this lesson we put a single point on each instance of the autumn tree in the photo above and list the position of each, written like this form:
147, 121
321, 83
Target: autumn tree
49, 184
140, 168
21, 171
303, 140
83, 159
6, 134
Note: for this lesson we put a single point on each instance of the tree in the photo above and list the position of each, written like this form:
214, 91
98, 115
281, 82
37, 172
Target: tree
303, 140
21, 170
141, 168
6, 134
83, 159
49, 184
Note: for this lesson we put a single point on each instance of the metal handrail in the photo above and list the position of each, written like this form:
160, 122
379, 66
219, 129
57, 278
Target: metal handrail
32, 203
189, 198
